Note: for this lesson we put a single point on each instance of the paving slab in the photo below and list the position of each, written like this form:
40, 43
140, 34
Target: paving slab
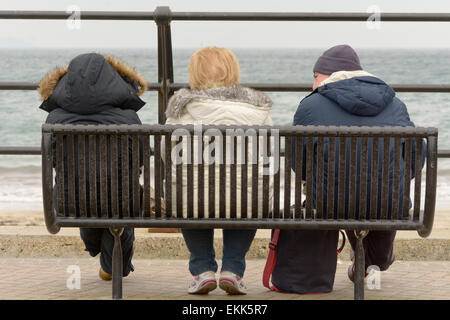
160, 279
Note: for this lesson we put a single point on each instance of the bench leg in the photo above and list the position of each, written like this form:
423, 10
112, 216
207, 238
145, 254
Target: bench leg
359, 265
117, 264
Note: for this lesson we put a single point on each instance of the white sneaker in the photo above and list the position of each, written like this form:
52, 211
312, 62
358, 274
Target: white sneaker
232, 283
203, 283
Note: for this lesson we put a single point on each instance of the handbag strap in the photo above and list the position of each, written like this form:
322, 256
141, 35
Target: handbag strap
271, 260
343, 242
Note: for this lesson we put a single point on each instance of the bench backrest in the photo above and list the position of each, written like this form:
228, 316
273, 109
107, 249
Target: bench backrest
354, 177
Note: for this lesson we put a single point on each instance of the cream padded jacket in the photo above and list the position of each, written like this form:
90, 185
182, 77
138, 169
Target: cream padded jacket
221, 112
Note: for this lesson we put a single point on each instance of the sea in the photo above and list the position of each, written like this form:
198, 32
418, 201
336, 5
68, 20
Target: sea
21, 118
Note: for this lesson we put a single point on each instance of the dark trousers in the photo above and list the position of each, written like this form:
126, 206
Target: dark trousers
378, 247
101, 241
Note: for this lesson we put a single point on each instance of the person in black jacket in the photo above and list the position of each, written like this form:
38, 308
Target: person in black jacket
96, 89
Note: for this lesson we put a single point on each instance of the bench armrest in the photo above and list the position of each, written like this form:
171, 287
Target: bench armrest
47, 183
430, 188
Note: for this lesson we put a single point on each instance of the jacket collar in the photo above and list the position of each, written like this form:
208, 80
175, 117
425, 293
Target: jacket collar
342, 75
234, 93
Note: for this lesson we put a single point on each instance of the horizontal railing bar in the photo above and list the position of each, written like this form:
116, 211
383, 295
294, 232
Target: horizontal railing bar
20, 150
17, 85
277, 87
443, 154
230, 16
37, 151
299, 87
84, 15
309, 16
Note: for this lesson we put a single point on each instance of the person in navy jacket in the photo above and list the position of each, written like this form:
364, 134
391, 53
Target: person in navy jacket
346, 95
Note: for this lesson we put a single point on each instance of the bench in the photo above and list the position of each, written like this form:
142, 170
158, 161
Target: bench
80, 154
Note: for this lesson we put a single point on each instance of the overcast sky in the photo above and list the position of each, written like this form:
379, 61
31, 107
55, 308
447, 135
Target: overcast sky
193, 34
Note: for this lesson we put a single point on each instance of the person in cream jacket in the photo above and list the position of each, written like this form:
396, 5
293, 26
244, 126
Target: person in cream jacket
216, 98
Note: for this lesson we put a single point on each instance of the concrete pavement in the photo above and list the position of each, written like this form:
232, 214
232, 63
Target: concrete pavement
158, 279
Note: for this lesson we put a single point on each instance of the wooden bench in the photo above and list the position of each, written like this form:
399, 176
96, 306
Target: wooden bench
79, 154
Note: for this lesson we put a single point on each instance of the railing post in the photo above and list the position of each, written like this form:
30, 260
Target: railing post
360, 264
165, 61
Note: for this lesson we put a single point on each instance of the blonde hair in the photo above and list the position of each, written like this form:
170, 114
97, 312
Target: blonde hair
212, 67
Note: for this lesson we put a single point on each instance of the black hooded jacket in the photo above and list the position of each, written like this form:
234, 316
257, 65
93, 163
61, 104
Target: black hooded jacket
91, 92
93, 89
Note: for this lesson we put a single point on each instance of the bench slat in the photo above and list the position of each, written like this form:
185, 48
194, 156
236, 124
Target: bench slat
70, 167
363, 178
407, 179
320, 178
201, 178
135, 176
385, 179
331, 172
244, 179
266, 167
158, 176
255, 183
396, 179
179, 183
114, 176
417, 177
212, 177
341, 178
233, 176
147, 181
125, 158
309, 176
60, 198
81, 150
168, 174
352, 178
92, 176
298, 176
287, 176
190, 177
276, 183
374, 179
103, 177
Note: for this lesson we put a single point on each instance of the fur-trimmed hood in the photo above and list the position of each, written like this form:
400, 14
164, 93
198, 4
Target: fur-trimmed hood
91, 83
234, 94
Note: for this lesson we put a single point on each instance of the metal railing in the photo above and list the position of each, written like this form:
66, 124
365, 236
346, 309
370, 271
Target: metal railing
226, 16
163, 17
